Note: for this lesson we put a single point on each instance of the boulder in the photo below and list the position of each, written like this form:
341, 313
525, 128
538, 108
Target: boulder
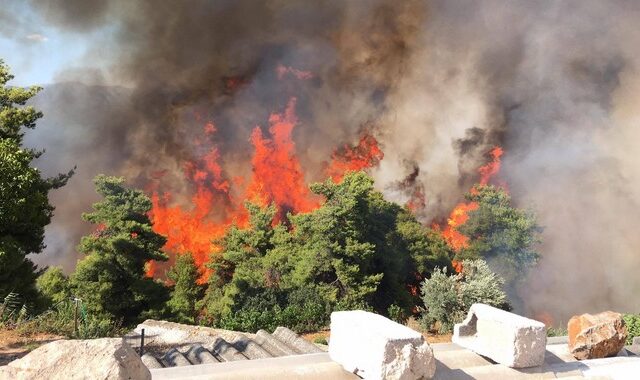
107, 358
596, 336
374, 347
507, 338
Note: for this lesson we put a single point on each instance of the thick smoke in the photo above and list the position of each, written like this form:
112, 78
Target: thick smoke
439, 84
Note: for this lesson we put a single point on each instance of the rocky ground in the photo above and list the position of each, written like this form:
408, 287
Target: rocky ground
14, 346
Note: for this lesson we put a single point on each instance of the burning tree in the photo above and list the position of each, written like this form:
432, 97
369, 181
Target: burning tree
111, 280
503, 235
356, 250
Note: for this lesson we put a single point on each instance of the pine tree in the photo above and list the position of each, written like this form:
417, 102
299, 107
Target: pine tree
111, 280
24, 204
186, 291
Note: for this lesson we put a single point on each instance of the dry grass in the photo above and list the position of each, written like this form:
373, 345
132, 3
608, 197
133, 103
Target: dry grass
14, 345
430, 336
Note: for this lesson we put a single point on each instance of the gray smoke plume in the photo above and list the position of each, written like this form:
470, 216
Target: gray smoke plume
439, 83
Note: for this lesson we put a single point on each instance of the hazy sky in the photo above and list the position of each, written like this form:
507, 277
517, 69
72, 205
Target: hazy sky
36, 52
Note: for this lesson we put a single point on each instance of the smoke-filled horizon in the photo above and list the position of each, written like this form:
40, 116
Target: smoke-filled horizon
438, 83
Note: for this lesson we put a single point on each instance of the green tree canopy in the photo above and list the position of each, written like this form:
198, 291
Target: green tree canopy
111, 279
186, 292
501, 234
355, 251
54, 286
24, 204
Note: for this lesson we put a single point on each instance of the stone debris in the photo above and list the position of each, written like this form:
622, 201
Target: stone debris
596, 336
106, 358
374, 347
507, 338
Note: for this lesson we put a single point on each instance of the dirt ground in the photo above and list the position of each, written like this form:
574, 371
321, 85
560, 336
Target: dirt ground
14, 346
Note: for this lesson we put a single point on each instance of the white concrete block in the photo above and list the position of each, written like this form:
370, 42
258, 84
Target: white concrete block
507, 338
375, 347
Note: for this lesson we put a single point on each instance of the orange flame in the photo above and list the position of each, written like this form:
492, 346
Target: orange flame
365, 155
277, 173
277, 177
460, 213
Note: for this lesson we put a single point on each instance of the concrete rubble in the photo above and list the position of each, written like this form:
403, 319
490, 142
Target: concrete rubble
596, 336
374, 347
507, 338
361, 345
106, 358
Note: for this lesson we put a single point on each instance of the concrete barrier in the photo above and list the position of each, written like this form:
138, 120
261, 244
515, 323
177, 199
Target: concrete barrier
507, 338
374, 347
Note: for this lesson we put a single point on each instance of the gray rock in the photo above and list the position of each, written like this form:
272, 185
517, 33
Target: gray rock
507, 338
107, 358
375, 347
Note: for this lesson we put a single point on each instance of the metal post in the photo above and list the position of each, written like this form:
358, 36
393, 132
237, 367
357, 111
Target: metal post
75, 317
142, 343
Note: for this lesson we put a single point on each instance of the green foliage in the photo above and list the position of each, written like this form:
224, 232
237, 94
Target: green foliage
24, 204
633, 326
53, 286
59, 320
557, 331
447, 298
500, 234
111, 279
12, 310
186, 291
396, 313
355, 251
320, 340
301, 310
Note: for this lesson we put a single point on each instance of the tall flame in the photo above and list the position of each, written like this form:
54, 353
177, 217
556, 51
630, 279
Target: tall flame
460, 214
277, 173
277, 177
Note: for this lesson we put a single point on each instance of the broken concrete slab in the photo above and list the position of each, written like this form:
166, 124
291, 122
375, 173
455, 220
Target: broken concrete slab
507, 338
374, 347
594, 336
106, 358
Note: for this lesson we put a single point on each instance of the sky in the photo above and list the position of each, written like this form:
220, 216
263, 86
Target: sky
35, 52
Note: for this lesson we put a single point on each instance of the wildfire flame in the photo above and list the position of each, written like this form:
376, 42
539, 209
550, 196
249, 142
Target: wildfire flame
460, 213
277, 177
277, 173
353, 158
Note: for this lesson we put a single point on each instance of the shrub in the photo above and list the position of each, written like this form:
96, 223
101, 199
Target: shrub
59, 320
53, 286
13, 310
557, 331
396, 313
320, 340
441, 301
447, 298
301, 310
633, 326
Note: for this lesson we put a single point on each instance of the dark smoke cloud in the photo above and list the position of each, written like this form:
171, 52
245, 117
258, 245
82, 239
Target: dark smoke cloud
439, 83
